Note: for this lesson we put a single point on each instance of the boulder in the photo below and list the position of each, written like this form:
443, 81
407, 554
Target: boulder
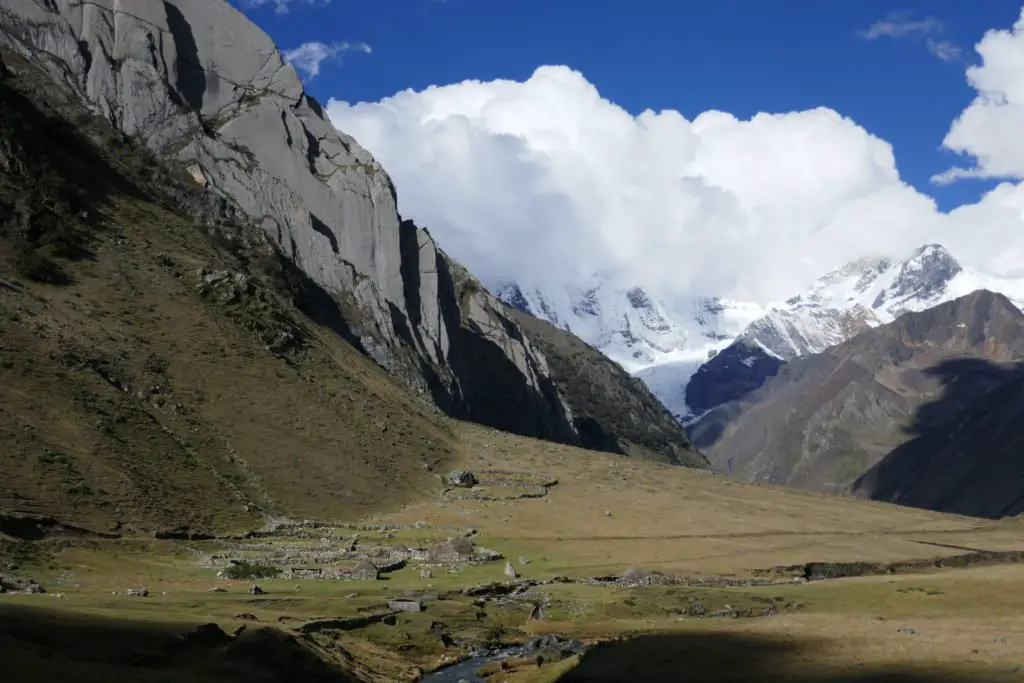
256, 590
462, 478
207, 636
405, 605
510, 571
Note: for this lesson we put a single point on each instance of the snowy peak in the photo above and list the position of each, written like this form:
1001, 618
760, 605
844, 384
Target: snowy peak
634, 327
847, 301
664, 340
924, 277
864, 293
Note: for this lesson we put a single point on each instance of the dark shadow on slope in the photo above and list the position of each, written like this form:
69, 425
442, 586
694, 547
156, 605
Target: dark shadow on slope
52, 181
44, 645
191, 75
611, 410
966, 454
723, 657
734, 372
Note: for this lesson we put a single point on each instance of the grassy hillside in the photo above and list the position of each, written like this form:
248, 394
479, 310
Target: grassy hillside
154, 370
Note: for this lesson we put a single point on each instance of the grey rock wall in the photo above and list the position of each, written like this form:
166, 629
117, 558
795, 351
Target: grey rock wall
202, 85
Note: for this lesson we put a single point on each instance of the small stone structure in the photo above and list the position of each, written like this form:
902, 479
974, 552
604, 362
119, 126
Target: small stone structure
462, 479
405, 605
366, 571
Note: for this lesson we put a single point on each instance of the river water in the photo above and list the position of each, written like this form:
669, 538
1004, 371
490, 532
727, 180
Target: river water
466, 671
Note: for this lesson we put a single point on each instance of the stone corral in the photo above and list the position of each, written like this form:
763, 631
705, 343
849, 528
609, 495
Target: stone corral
324, 551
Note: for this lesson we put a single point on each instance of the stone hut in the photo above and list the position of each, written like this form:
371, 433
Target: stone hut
452, 550
366, 571
400, 551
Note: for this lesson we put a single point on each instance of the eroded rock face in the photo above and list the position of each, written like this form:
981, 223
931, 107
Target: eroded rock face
204, 86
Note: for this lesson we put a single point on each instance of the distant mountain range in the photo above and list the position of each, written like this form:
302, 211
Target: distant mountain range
698, 352
924, 411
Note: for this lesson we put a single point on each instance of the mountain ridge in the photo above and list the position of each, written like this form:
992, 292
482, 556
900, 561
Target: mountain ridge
700, 351
825, 419
242, 125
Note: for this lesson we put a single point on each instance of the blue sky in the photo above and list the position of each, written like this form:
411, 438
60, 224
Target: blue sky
739, 56
787, 136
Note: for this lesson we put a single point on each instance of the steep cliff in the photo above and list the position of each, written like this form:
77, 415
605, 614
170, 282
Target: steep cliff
204, 87
612, 411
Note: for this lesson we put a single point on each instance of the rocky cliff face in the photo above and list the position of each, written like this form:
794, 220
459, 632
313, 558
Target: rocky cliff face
203, 86
612, 411
824, 420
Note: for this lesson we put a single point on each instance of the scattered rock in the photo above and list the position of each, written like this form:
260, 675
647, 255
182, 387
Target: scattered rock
537, 613
137, 592
256, 590
607, 513
510, 571
523, 560
634, 575
426, 574
462, 479
218, 589
405, 605
909, 631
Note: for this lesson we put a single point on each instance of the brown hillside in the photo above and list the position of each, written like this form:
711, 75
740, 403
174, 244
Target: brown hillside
154, 372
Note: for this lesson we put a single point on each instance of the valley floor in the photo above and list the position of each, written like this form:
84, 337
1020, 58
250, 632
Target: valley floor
605, 515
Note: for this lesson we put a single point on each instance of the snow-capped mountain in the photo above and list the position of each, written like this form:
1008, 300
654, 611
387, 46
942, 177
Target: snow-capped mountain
632, 327
862, 294
867, 293
728, 347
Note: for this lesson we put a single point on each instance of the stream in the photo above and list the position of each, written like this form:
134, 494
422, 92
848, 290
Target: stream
465, 671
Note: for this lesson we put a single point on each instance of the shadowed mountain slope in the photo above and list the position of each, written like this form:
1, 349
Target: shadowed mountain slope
824, 420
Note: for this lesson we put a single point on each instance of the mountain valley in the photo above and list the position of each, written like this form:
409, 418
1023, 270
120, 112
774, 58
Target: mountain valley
256, 426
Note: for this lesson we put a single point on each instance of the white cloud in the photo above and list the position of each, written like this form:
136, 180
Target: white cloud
281, 5
308, 57
545, 182
900, 25
991, 129
944, 50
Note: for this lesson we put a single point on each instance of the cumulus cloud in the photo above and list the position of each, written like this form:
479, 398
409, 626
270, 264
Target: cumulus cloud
990, 129
547, 183
901, 25
308, 57
281, 5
